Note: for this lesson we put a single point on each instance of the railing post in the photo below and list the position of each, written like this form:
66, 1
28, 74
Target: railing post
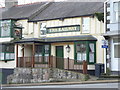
23, 55
68, 63
84, 67
49, 62
33, 55
17, 56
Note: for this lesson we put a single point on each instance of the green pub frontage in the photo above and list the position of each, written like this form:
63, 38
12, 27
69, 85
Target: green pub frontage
51, 52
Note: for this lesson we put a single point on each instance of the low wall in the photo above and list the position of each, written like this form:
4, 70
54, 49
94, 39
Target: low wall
36, 75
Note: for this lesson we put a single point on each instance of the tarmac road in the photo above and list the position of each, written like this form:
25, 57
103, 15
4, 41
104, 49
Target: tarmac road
98, 85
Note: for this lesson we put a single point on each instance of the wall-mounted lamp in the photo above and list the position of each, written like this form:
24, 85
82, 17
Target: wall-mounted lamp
68, 51
68, 48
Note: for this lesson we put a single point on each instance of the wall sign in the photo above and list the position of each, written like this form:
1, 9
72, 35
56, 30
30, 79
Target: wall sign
60, 29
104, 44
5, 28
17, 31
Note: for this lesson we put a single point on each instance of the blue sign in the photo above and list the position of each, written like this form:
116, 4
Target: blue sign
104, 46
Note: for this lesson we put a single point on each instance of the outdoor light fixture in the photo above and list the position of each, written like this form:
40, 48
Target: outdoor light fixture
68, 50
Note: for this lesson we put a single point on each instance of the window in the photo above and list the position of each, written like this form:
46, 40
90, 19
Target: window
42, 51
91, 52
116, 51
108, 13
108, 4
7, 52
85, 25
117, 11
43, 28
85, 50
46, 49
81, 51
116, 40
39, 50
108, 22
108, 29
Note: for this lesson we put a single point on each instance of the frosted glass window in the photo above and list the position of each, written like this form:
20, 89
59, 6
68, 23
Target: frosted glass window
12, 56
86, 25
7, 56
1, 56
81, 52
46, 49
91, 52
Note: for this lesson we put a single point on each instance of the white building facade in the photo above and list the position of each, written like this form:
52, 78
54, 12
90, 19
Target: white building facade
112, 27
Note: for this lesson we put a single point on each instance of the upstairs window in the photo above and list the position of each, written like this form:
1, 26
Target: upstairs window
85, 25
116, 6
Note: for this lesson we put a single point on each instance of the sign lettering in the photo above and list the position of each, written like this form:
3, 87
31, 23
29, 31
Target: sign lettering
63, 29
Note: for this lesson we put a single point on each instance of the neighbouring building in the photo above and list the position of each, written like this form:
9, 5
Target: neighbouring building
112, 35
53, 34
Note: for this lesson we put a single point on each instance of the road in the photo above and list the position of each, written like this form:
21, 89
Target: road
99, 85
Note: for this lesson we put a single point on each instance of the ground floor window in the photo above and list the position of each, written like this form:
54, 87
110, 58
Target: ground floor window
7, 52
116, 51
85, 50
43, 52
116, 43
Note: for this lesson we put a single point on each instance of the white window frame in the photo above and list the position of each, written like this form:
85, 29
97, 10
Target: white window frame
115, 43
116, 10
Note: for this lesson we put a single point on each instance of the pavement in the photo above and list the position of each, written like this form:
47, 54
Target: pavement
61, 83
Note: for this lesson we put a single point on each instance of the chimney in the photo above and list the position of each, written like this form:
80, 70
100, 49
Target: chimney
10, 3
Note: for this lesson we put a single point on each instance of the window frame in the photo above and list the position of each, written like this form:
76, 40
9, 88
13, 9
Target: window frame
7, 52
115, 41
116, 11
87, 51
84, 24
43, 53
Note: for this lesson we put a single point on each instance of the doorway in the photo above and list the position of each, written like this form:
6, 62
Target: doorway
59, 57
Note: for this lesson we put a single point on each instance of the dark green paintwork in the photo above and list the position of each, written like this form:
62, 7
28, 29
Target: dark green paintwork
87, 51
59, 55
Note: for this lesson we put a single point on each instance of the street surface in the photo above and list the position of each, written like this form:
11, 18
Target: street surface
99, 85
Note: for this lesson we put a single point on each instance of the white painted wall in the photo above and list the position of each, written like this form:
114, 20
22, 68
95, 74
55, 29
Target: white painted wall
5, 39
71, 54
114, 27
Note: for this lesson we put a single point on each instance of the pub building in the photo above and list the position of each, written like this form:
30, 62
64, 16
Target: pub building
58, 35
